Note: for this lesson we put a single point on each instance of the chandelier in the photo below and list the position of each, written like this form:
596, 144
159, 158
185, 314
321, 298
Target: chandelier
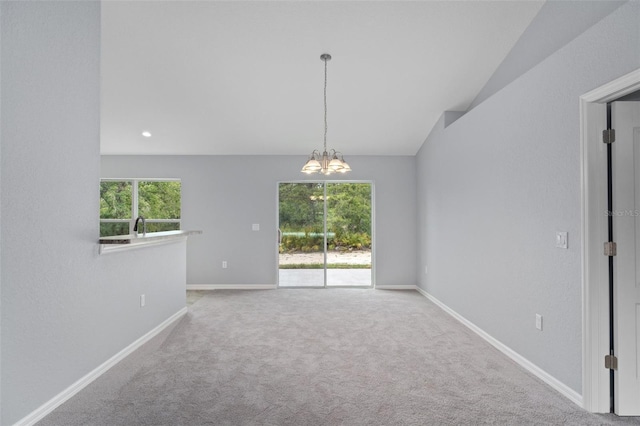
330, 161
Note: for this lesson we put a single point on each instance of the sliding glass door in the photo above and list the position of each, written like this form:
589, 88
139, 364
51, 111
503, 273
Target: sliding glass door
301, 235
324, 235
349, 234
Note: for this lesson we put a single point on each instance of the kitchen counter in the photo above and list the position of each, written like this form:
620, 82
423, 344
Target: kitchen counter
130, 241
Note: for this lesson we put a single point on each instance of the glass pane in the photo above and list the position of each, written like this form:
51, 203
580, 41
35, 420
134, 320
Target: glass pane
115, 200
348, 234
160, 227
159, 200
301, 228
111, 228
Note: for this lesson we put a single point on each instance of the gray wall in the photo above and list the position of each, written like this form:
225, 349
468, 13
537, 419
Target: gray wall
0, 218
557, 23
224, 195
496, 185
65, 308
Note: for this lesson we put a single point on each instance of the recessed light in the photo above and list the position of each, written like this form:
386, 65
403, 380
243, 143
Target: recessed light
146, 134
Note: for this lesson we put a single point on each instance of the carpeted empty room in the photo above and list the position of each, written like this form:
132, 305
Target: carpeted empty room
318, 357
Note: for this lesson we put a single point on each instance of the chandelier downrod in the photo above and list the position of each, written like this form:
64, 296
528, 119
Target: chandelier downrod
330, 161
326, 58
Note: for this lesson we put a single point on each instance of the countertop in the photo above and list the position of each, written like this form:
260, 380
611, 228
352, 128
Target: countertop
148, 237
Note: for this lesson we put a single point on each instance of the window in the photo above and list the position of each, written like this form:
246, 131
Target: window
123, 200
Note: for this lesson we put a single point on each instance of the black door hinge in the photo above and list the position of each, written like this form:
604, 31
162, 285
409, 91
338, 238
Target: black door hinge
608, 136
610, 248
610, 362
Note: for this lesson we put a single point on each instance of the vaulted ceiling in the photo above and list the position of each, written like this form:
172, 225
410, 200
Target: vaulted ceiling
240, 77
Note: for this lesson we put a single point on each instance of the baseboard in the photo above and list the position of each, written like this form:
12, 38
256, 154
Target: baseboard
522, 361
396, 287
273, 286
69, 392
230, 286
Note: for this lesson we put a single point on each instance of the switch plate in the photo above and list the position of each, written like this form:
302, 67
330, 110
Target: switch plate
142, 300
224, 264
255, 227
426, 271
539, 322
562, 240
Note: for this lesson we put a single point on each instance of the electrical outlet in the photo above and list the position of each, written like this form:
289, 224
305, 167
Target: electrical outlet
539, 322
142, 300
426, 271
224, 264
255, 227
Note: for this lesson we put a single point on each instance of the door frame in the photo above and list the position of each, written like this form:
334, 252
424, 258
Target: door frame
595, 292
373, 229
625, 119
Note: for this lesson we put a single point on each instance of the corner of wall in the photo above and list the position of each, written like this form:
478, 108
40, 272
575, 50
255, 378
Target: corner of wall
547, 33
493, 189
450, 117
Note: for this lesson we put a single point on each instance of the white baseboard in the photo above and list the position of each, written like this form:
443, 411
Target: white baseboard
69, 392
396, 287
231, 286
273, 286
522, 361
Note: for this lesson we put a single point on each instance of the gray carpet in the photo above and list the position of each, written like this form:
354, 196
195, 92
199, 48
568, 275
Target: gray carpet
319, 357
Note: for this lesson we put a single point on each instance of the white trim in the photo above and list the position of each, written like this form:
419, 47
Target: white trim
134, 199
615, 89
273, 286
141, 179
595, 317
373, 226
146, 220
396, 287
116, 248
231, 286
76, 387
134, 206
522, 361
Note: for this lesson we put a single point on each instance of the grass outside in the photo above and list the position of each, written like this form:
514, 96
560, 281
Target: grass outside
321, 266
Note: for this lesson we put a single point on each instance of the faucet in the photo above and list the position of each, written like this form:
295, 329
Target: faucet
144, 225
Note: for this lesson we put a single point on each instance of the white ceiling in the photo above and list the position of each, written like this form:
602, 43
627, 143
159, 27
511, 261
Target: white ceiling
238, 77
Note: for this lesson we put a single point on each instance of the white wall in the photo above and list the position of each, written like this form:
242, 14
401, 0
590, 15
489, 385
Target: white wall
224, 195
495, 186
65, 309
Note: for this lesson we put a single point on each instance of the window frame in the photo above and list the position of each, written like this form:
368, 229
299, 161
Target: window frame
134, 201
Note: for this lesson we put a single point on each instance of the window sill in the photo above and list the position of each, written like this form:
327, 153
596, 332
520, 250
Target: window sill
129, 242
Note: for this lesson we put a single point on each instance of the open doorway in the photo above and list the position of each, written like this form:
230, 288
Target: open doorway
625, 217
602, 388
325, 236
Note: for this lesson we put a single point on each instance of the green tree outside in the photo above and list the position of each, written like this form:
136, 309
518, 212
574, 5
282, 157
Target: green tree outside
159, 200
156, 200
115, 199
301, 207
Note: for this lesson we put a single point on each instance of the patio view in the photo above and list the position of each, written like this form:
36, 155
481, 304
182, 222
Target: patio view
324, 234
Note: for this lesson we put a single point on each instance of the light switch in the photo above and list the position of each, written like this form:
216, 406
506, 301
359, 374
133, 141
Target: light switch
255, 227
562, 240
539, 322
